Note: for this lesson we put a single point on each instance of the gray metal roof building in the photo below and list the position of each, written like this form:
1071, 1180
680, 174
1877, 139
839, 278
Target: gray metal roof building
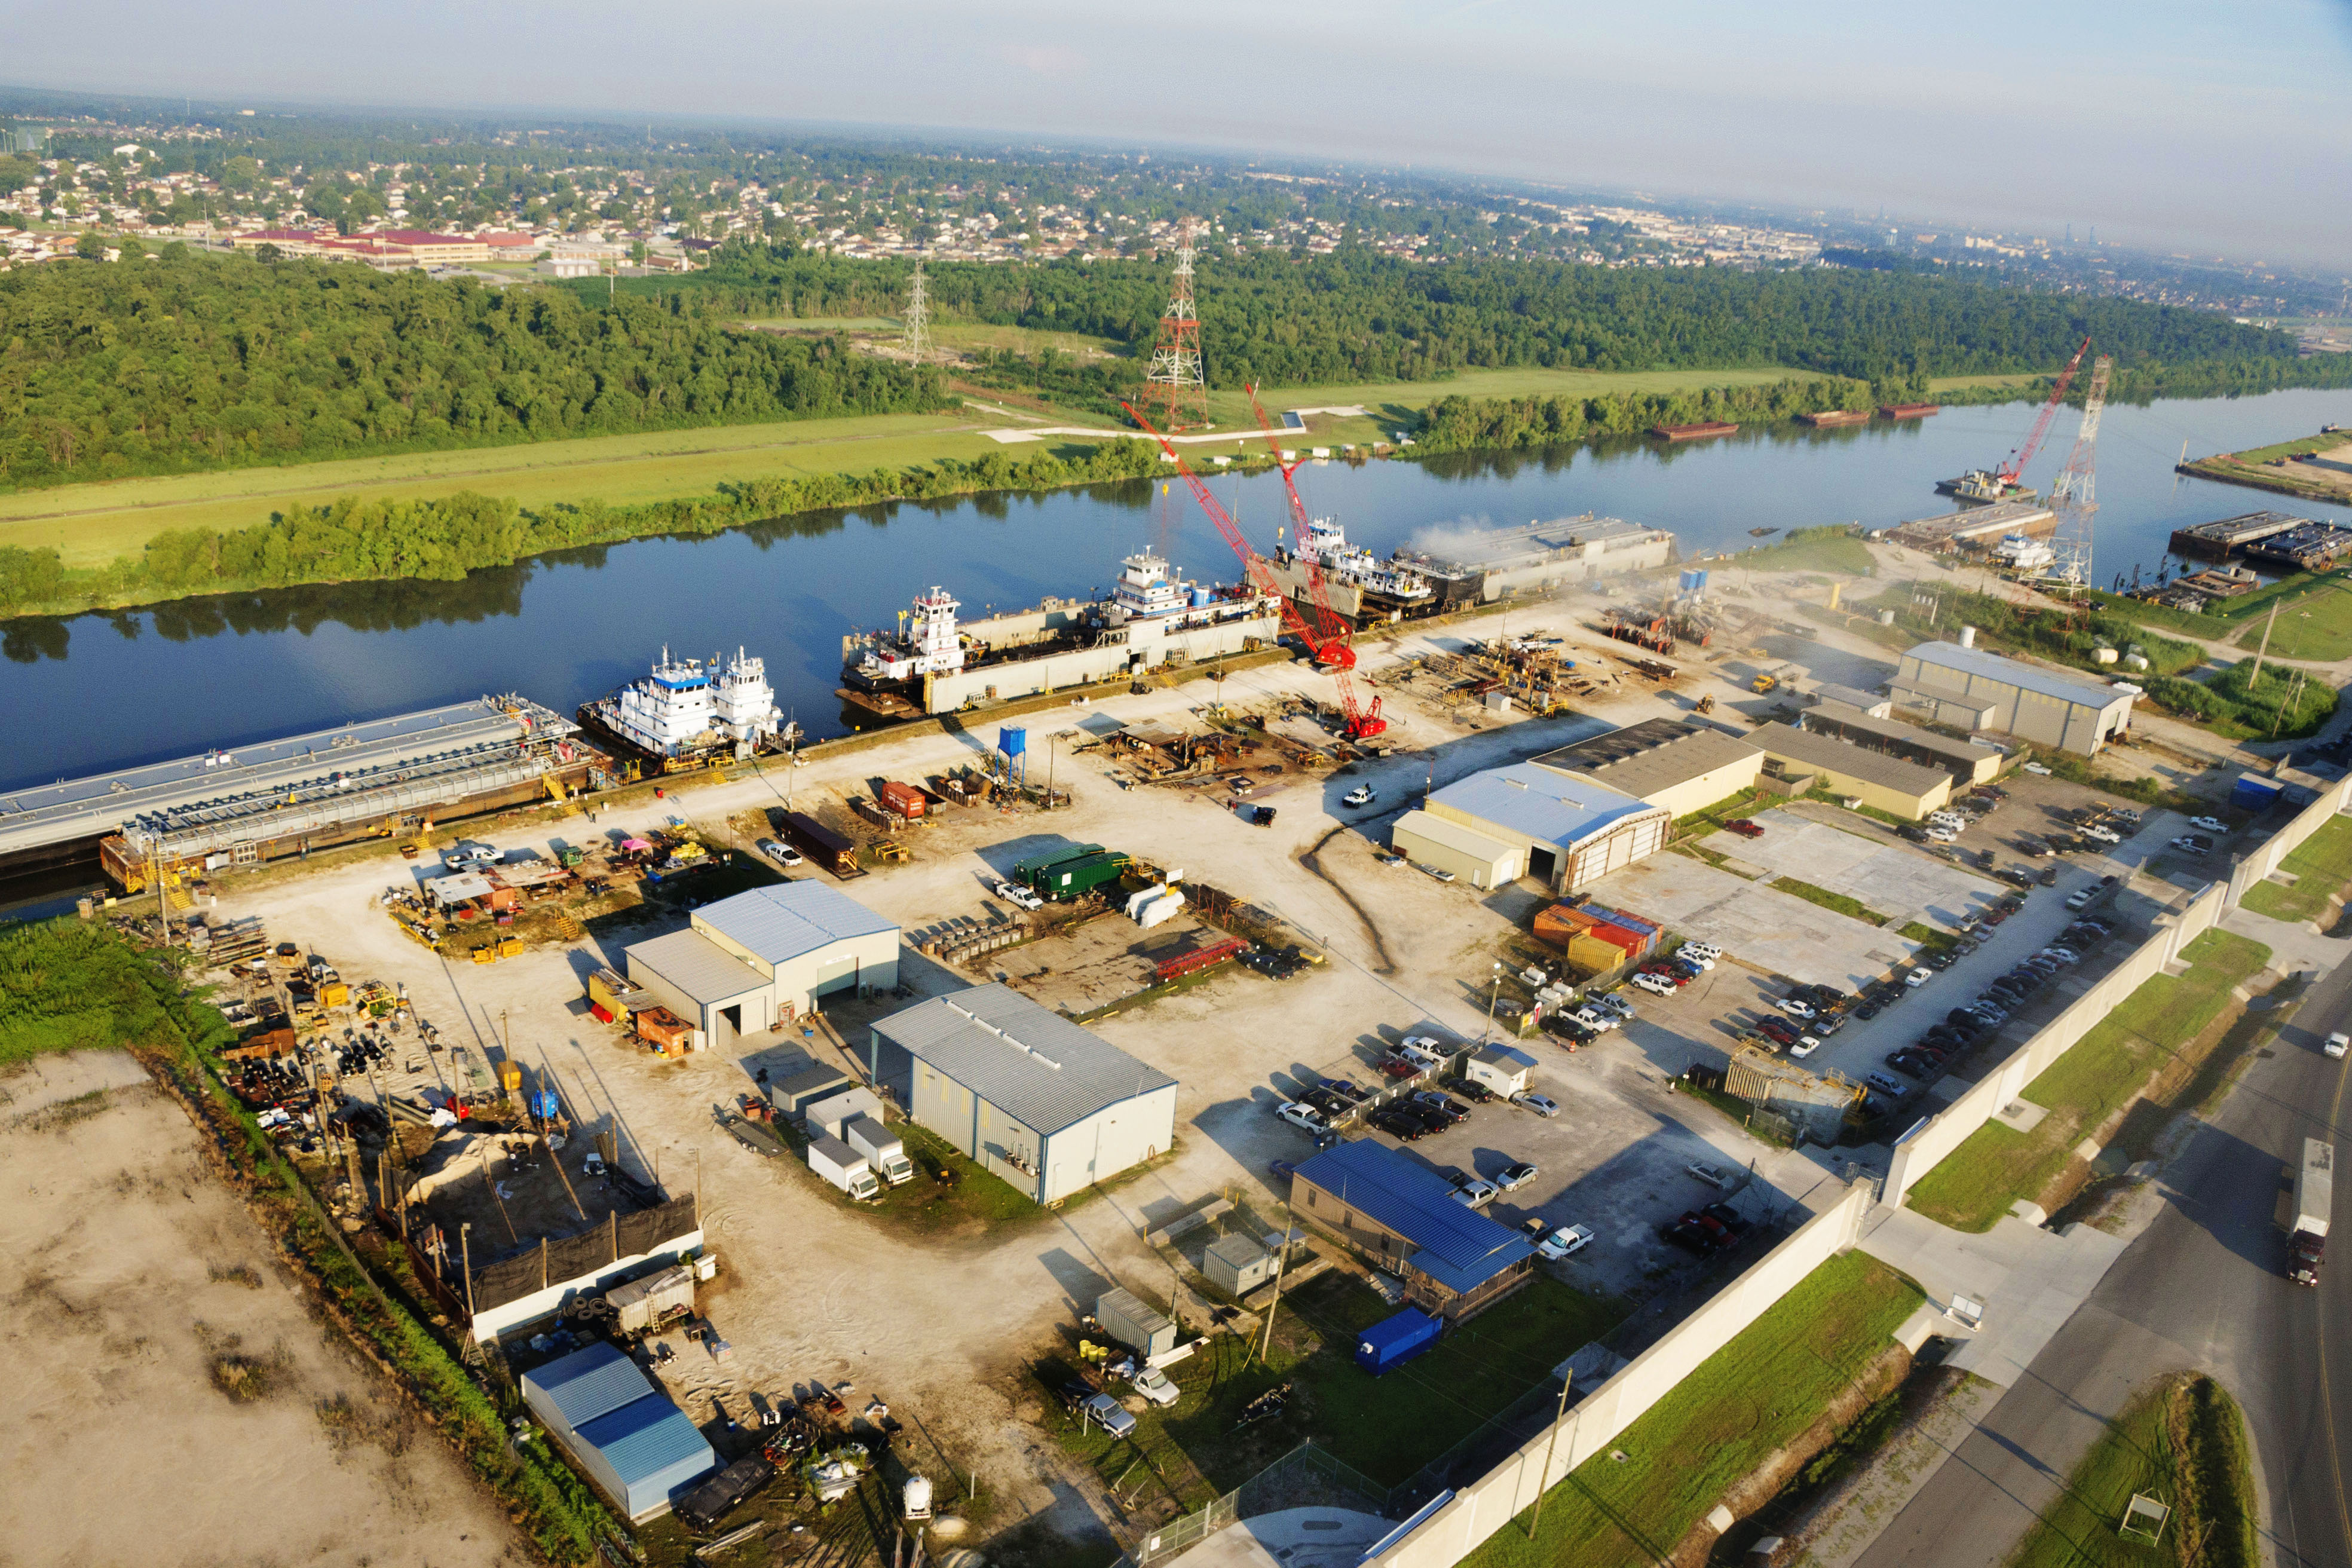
764, 957
1042, 1102
1978, 689
1968, 765
1885, 783
1664, 762
790, 919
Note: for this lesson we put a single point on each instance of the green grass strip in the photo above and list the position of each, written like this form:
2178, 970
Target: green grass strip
1852, 908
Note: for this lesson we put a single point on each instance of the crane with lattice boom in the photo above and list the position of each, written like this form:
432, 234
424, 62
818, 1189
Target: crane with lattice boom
2008, 472
1361, 722
1336, 644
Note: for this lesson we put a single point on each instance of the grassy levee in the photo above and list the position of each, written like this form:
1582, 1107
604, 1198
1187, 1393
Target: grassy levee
65, 986
2321, 865
1810, 549
2182, 1443
92, 524
1732, 1413
1974, 1186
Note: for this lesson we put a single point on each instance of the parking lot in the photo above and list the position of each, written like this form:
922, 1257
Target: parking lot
1755, 922
1881, 874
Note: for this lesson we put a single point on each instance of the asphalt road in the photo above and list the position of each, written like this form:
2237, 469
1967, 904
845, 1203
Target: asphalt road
2202, 1289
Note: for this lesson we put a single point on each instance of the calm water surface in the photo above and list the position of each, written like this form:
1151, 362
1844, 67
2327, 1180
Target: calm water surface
98, 691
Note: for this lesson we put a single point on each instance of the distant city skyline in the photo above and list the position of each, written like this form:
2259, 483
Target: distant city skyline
2165, 126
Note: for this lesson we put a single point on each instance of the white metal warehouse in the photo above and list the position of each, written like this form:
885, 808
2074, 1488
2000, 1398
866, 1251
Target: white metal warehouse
1048, 1106
765, 957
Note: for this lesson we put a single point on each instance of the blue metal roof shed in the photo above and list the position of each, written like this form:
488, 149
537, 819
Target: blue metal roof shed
1455, 1247
618, 1427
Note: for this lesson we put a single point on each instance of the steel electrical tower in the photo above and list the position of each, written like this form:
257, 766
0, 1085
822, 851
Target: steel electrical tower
917, 319
2075, 497
1175, 393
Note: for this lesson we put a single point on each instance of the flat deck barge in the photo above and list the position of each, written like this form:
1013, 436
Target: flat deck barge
2219, 541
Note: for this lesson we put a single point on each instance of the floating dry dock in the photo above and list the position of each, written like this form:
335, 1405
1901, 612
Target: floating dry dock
278, 797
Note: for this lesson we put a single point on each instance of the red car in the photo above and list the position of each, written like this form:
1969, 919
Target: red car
1397, 1066
1745, 829
1666, 971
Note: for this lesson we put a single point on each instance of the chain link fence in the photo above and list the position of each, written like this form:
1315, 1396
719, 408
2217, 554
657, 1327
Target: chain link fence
1306, 1477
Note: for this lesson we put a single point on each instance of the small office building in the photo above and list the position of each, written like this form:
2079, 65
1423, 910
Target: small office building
1967, 763
1975, 689
1400, 1216
1494, 828
1046, 1105
640, 1449
1680, 768
1796, 760
765, 957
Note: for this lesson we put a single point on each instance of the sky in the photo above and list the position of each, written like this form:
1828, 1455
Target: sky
2198, 128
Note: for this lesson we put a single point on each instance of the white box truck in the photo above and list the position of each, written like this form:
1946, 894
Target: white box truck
844, 1167
883, 1150
2313, 1196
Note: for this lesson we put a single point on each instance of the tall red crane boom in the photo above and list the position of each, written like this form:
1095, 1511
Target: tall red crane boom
2010, 470
1260, 574
1338, 649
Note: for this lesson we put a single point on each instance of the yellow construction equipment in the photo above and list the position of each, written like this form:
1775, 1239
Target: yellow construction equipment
1764, 683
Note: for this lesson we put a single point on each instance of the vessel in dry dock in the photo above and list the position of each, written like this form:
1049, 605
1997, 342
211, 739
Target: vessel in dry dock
932, 663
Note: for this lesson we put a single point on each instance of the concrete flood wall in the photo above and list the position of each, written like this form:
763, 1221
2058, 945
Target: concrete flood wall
1456, 1525
2264, 861
1929, 1140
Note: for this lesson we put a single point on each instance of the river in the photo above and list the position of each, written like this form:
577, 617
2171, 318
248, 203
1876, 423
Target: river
91, 692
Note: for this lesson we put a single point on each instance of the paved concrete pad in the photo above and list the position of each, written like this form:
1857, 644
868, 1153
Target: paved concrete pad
1893, 879
2030, 1280
1755, 924
1293, 1537
2294, 944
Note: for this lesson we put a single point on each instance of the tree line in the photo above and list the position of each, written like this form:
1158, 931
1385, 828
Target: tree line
188, 362
1357, 315
443, 538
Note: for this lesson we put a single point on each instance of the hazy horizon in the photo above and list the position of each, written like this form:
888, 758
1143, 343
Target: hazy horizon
2163, 126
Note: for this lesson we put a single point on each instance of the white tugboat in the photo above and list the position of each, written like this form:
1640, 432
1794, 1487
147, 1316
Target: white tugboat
1327, 545
687, 713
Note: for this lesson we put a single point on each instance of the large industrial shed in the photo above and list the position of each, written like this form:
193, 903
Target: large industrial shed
1565, 832
1677, 767
638, 1448
765, 957
1798, 760
1403, 1217
1967, 763
1048, 1106
1977, 688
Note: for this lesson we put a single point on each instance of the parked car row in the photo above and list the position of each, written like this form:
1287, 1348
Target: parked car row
1712, 1229
1928, 1056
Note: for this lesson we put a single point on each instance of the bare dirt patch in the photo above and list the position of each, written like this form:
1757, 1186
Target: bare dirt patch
162, 1381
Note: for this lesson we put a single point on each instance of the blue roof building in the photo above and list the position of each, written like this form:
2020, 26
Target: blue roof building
625, 1432
1403, 1218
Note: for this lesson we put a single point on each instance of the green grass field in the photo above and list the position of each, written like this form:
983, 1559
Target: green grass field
1995, 1166
2182, 1443
1810, 549
2316, 624
1739, 1404
2321, 865
91, 524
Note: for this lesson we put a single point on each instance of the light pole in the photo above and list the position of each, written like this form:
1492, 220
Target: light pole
1543, 1477
1494, 993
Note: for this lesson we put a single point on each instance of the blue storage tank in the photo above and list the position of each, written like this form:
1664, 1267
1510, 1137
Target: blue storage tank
2254, 793
543, 1105
1394, 1341
1202, 598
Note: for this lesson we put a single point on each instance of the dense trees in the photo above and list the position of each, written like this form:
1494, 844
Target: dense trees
191, 362
1355, 315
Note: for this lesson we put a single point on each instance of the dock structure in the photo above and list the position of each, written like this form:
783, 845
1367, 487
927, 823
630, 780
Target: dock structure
1977, 527
2231, 535
2309, 547
239, 806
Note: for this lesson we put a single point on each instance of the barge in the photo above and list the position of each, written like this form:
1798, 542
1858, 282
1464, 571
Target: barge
1478, 568
1705, 430
2231, 535
1152, 619
1830, 418
1908, 410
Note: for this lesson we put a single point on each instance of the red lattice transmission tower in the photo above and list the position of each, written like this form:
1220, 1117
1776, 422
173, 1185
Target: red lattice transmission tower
1175, 393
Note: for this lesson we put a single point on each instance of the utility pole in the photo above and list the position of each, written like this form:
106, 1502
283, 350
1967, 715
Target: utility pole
1281, 1261
2264, 648
1543, 1477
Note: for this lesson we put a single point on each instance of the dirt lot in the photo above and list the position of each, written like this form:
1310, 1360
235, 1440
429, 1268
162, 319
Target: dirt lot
810, 1289
171, 1400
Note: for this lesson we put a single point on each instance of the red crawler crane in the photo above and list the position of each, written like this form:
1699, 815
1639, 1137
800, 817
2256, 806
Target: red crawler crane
1361, 723
1335, 646
2010, 470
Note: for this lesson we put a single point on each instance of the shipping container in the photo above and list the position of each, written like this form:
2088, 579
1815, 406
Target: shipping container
821, 843
1141, 1328
1635, 943
1067, 880
642, 1305
2254, 793
665, 1030
1392, 1342
615, 994
901, 800
1024, 870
